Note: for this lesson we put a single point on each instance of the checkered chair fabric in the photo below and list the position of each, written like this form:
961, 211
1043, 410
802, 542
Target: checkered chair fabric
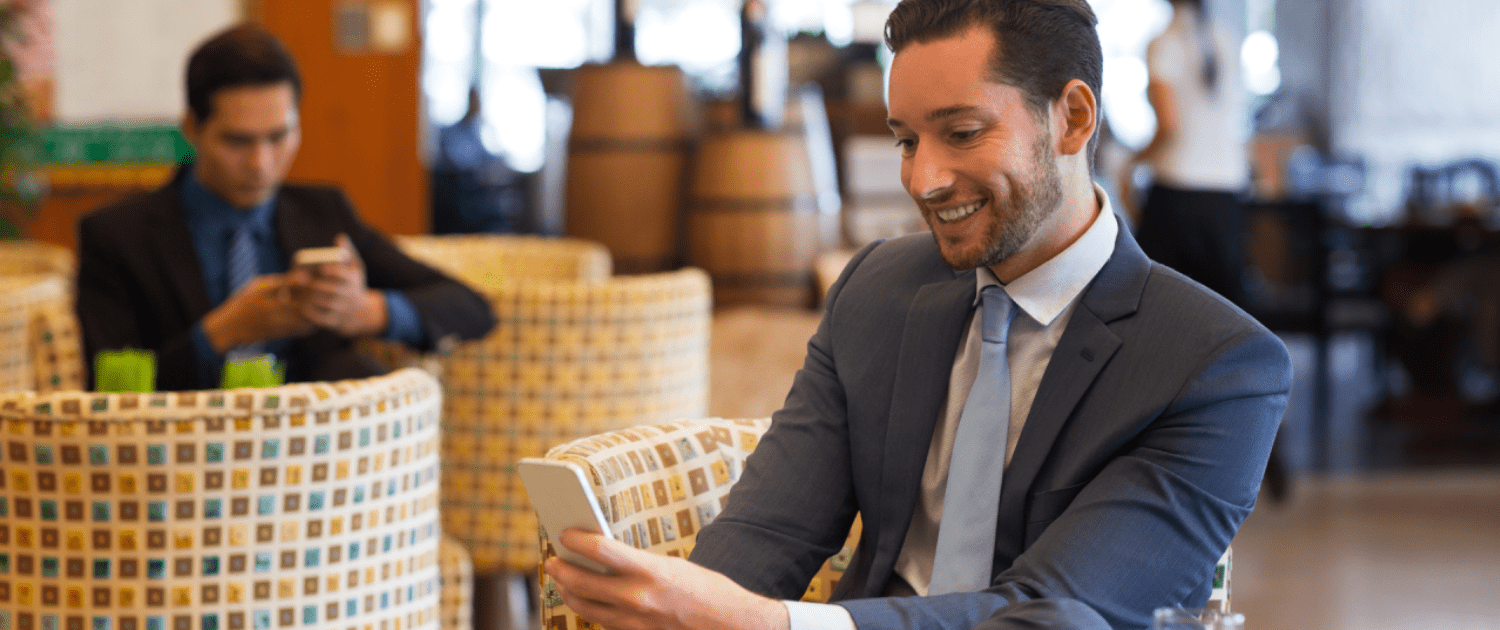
566, 360
659, 485
457, 605
40, 348
33, 257
57, 348
300, 506
488, 260
1219, 599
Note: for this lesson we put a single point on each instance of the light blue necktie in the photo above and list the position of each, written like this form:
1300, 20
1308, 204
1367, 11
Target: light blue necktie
966, 534
244, 265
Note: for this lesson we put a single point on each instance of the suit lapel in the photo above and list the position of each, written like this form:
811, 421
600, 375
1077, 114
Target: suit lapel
1081, 354
934, 325
173, 244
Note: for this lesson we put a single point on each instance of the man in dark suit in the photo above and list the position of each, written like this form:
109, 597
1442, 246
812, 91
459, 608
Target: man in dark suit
1135, 424
201, 270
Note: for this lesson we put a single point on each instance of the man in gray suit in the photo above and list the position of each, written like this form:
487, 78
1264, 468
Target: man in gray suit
1141, 406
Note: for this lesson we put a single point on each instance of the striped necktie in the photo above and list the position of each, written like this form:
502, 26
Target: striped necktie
244, 265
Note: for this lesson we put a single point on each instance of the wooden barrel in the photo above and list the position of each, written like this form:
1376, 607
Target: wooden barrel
754, 223
626, 162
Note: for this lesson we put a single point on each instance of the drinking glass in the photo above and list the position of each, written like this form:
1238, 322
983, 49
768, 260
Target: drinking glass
1196, 619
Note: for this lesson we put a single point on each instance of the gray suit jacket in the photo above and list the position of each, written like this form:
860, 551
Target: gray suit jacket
1140, 458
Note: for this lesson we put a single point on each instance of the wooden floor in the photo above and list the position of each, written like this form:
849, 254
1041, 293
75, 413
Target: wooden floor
1389, 551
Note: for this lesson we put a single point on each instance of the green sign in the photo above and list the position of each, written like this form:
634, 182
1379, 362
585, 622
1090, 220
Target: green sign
114, 143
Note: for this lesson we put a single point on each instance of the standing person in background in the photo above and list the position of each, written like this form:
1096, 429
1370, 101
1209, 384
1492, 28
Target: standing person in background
1193, 220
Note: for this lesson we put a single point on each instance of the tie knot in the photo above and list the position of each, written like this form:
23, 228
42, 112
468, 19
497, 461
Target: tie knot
998, 310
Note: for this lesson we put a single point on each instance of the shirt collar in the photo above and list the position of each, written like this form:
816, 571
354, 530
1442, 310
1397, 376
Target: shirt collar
211, 208
1043, 293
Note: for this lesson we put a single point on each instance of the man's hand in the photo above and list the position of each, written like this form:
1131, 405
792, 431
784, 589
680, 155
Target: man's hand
262, 310
652, 592
334, 295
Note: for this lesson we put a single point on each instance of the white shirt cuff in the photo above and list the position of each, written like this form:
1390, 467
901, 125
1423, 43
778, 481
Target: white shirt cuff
810, 616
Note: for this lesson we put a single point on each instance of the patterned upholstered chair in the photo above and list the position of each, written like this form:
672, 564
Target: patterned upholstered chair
39, 339
486, 260
457, 600
40, 349
658, 485
307, 505
575, 352
567, 360
1219, 599
29, 257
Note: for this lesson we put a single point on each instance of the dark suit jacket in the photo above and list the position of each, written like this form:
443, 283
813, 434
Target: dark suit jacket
1142, 453
140, 284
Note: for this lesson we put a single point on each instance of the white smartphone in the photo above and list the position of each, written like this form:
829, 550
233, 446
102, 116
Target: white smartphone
563, 498
318, 256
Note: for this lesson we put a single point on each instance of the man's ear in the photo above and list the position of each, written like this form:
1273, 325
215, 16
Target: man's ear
189, 127
1078, 111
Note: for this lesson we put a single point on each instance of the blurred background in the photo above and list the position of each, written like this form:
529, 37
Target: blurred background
750, 140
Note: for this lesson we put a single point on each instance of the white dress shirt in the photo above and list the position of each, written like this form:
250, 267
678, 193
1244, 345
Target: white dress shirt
1046, 296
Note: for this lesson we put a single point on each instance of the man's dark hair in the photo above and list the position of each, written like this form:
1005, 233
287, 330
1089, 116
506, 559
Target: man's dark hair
1041, 45
244, 55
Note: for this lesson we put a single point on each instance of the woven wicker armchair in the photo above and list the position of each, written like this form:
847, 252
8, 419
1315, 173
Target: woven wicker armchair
28, 257
487, 260
302, 505
567, 359
40, 349
659, 485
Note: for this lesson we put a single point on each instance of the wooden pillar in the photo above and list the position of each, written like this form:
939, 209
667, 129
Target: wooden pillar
360, 116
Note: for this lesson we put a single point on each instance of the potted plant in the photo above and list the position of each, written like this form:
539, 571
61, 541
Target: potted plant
20, 141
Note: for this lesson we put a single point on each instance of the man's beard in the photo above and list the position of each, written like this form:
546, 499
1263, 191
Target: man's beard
1014, 223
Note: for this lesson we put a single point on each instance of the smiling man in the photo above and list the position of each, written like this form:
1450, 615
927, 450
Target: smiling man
1039, 427
200, 271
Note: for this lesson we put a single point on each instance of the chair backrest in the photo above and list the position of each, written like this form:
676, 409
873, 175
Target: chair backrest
659, 485
296, 506
57, 348
488, 260
35, 257
567, 360
40, 348
1219, 599
457, 605
1437, 195
486, 263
